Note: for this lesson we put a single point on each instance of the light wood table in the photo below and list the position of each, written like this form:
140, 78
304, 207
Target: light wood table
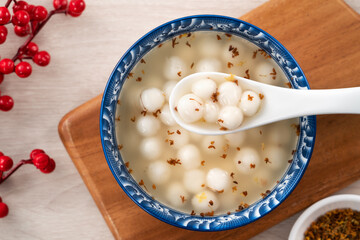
83, 52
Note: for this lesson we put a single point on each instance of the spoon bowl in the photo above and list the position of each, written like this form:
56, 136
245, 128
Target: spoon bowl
278, 103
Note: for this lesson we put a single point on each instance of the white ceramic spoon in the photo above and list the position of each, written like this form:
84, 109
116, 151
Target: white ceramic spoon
278, 103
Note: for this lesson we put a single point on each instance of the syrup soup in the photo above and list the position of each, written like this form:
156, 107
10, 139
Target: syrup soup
196, 174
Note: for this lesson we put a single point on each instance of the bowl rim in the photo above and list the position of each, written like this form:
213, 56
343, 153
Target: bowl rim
174, 223
312, 213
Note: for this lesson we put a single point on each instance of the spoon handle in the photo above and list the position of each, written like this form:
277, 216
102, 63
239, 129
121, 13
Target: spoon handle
316, 102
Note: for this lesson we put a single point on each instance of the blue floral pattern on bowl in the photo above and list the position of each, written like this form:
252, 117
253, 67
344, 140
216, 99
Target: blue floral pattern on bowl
108, 136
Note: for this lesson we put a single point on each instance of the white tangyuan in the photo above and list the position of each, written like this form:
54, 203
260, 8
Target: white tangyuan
174, 68
229, 93
189, 156
211, 111
166, 117
208, 65
213, 144
276, 156
148, 125
218, 179
230, 117
264, 72
280, 133
190, 108
151, 148
249, 103
177, 137
159, 172
235, 139
152, 99
168, 87
204, 88
205, 201
233, 51
176, 194
194, 180
246, 160
209, 47
262, 177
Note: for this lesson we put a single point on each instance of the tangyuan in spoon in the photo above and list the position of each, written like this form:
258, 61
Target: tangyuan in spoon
213, 103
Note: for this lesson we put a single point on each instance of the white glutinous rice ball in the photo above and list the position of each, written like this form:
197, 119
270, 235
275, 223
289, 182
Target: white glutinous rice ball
208, 65
247, 160
168, 87
152, 99
204, 202
213, 144
194, 180
229, 93
204, 88
151, 148
235, 139
233, 51
177, 137
281, 132
230, 117
209, 47
176, 194
148, 125
159, 172
166, 117
189, 156
211, 111
218, 179
264, 72
249, 103
276, 156
190, 108
262, 177
174, 68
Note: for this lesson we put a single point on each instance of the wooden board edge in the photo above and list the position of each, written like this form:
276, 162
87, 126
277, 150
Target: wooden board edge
64, 132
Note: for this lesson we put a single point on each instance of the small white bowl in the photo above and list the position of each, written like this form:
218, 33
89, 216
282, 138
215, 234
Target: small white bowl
321, 207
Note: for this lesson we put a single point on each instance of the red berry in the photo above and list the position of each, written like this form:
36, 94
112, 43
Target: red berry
76, 7
21, 18
0, 199
23, 69
6, 163
6, 103
31, 49
35, 152
41, 160
30, 10
4, 15
4, 210
41, 58
3, 34
40, 13
1, 78
20, 5
22, 31
60, 4
6, 66
1, 154
50, 167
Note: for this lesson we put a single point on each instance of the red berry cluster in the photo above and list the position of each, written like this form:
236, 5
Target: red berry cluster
37, 157
28, 20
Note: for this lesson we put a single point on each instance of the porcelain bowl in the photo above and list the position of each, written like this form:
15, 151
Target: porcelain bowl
321, 207
113, 88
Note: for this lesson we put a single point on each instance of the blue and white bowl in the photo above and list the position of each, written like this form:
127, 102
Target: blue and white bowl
117, 78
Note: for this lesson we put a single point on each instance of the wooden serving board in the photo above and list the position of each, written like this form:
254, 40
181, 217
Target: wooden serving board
324, 37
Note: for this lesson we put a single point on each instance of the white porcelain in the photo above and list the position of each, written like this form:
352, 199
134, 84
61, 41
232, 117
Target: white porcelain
278, 103
321, 207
